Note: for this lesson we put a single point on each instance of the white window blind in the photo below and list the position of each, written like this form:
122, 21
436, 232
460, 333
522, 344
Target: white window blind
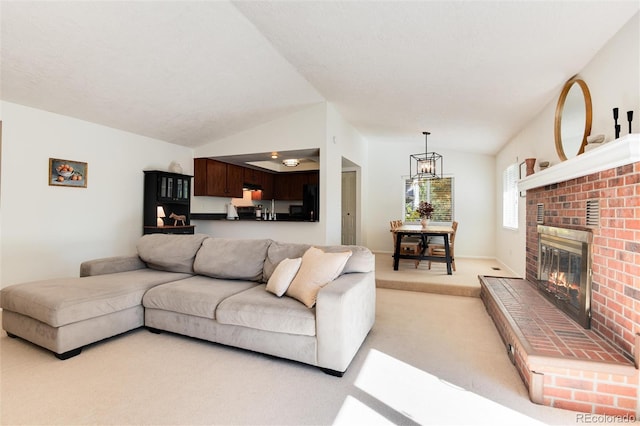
510, 197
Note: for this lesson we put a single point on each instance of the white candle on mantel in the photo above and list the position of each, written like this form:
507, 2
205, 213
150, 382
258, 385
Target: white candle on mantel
272, 207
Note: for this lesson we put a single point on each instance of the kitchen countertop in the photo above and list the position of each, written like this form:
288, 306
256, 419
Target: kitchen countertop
281, 217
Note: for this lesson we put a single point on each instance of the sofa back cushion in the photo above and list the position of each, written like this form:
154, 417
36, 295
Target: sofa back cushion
278, 252
169, 252
241, 259
361, 260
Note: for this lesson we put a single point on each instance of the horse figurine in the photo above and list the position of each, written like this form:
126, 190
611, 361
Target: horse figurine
178, 218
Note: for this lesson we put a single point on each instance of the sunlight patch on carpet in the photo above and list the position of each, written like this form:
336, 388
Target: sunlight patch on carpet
425, 398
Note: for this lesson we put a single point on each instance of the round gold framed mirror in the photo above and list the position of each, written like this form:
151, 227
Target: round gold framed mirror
573, 119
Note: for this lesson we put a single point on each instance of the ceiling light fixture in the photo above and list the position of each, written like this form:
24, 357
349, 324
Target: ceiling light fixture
425, 165
291, 162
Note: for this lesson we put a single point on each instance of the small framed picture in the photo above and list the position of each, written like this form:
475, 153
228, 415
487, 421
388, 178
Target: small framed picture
67, 173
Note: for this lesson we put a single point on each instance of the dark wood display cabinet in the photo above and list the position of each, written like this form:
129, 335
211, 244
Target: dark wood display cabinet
171, 192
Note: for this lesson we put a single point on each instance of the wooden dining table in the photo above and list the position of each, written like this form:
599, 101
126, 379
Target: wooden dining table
424, 234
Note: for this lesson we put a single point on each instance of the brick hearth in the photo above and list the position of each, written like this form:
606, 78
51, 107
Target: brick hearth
562, 364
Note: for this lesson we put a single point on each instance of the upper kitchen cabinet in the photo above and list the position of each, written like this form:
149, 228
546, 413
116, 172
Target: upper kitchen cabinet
265, 174
252, 176
217, 179
289, 186
267, 185
260, 182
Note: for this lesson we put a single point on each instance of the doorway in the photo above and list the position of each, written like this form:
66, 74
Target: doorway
349, 204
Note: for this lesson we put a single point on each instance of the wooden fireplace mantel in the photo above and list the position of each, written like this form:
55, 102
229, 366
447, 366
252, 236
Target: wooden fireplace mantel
620, 152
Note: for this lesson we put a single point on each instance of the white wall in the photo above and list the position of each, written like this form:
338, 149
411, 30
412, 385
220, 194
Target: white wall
474, 196
612, 77
344, 142
47, 231
318, 126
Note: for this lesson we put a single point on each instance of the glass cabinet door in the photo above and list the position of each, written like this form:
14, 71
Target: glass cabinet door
170, 187
185, 189
173, 188
179, 189
163, 187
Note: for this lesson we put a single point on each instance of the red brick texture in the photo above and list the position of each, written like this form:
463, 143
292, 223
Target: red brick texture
615, 309
580, 370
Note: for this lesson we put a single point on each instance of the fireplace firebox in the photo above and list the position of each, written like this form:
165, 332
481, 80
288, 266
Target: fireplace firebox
564, 270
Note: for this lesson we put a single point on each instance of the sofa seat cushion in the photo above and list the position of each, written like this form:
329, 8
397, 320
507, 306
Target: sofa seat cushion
63, 301
228, 258
258, 309
198, 295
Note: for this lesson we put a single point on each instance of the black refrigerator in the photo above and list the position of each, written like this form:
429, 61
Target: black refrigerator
311, 202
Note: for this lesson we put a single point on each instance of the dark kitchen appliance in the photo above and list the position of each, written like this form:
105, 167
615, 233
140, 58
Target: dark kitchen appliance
311, 203
296, 211
246, 212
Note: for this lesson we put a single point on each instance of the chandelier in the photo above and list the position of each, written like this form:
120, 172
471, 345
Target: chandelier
427, 165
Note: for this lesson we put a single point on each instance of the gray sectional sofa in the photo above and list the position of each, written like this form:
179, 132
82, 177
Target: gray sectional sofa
208, 288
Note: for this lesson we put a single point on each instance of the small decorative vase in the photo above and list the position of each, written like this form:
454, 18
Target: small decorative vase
424, 222
530, 162
175, 167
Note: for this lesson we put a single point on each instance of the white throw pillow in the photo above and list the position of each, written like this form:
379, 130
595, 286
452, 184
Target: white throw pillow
317, 270
283, 275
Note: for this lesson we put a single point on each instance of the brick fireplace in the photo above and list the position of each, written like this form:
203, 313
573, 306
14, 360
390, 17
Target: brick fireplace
615, 281
563, 365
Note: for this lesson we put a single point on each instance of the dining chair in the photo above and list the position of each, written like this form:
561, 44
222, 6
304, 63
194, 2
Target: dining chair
408, 245
439, 251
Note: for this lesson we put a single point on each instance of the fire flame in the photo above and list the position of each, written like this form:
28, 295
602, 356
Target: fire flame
559, 279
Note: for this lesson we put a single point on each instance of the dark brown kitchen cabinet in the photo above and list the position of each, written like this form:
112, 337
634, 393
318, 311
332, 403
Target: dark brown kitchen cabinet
217, 179
252, 176
313, 178
289, 186
258, 178
267, 186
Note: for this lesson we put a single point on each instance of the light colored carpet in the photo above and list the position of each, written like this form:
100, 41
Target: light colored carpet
462, 282
421, 349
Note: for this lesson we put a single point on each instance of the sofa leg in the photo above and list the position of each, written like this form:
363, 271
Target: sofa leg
332, 372
153, 330
69, 354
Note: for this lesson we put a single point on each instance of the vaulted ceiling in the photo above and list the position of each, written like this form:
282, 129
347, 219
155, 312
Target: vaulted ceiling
192, 72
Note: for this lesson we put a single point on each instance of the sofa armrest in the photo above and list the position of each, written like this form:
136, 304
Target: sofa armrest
111, 265
345, 312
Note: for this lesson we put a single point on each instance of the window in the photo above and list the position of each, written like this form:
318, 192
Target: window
439, 192
510, 197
